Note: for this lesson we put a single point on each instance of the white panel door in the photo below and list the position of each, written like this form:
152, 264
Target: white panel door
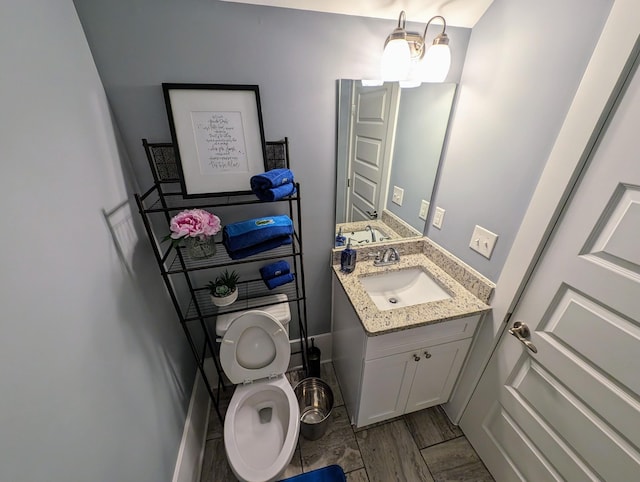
371, 140
571, 411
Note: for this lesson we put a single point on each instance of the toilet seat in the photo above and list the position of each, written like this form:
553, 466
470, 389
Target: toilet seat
277, 305
255, 346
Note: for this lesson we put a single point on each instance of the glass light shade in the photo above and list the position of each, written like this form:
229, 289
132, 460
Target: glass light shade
371, 82
410, 83
413, 78
436, 63
396, 60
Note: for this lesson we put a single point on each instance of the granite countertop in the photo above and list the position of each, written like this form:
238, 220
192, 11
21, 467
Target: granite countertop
376, 322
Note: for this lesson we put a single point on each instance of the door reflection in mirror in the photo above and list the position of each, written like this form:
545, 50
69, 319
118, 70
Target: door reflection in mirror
389, 137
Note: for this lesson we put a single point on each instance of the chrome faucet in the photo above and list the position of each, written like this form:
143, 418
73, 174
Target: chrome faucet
389, 256
373, 233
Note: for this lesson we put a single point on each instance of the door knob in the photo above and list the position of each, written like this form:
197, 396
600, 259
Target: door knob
416, 357
521, 331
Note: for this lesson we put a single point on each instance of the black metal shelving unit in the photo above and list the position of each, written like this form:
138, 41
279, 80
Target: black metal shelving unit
185, 278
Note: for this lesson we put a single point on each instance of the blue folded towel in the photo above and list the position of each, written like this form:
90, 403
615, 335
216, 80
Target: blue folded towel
258, 248
276, 193
332, 473
245, 234
274, 269
271, 179
273, 185
279, 280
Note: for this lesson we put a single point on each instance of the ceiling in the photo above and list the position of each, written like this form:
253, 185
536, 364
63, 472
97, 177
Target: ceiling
461, 13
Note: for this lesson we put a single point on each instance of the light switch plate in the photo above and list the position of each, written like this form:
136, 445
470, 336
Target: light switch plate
438, 218
424, 209
483, 241
398, 194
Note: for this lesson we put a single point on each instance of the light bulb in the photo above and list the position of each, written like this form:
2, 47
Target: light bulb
396, 60
436, 63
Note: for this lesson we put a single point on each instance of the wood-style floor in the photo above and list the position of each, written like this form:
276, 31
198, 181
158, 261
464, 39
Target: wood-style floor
421, 446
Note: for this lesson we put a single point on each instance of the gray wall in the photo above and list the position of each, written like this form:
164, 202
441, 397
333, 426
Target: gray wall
94, 371
524, 63
516, 89
294, 56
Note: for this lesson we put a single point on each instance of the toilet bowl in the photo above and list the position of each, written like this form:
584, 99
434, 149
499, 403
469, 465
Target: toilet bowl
260, 450
262, 421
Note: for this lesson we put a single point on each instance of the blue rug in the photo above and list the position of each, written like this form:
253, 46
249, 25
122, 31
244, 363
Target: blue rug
332, 473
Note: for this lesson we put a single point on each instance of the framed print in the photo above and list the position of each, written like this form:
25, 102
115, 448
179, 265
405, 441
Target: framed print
218, 134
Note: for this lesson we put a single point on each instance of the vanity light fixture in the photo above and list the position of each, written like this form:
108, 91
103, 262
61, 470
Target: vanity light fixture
407, 59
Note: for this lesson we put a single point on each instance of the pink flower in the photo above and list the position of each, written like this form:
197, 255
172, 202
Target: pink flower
194, 222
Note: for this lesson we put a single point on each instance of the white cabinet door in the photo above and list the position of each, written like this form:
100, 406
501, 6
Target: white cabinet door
385, 387
409, 381
436, 373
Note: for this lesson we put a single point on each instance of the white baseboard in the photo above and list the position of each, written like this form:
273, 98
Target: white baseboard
191, 451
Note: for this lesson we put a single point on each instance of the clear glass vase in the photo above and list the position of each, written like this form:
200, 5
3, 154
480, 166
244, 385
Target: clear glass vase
200, 247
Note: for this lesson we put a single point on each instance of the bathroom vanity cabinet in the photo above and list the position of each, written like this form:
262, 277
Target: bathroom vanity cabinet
390, 374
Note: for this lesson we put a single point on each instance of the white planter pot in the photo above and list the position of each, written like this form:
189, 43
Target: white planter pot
226, 300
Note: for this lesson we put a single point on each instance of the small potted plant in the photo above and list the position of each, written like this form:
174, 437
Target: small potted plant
224, 290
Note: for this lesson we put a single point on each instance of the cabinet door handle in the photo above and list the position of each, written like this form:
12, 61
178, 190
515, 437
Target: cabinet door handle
427, 354
416, 357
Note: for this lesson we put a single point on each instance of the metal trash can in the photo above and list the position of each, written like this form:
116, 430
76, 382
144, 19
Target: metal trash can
315, 400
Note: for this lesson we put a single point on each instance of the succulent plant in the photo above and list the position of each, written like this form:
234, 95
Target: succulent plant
224, 284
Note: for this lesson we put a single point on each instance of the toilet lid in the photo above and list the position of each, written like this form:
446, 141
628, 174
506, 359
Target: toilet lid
255, 346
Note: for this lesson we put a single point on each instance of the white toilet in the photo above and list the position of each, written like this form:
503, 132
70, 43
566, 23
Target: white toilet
263, 418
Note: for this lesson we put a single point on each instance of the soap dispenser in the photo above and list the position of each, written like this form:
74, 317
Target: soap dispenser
348, 259
340, 239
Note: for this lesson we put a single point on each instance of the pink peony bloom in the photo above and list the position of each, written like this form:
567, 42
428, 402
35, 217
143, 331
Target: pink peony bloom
194, 222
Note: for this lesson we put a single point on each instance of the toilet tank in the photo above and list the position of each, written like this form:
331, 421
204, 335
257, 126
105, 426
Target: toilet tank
279, 308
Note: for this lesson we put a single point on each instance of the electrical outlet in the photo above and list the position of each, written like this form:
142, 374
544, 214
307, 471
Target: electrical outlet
424, 209
483, 241
438, 218
398, 194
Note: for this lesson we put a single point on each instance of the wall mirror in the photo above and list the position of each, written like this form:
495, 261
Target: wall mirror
389, 146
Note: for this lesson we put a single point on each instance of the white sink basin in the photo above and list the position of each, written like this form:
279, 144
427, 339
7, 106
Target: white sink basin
405, 287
